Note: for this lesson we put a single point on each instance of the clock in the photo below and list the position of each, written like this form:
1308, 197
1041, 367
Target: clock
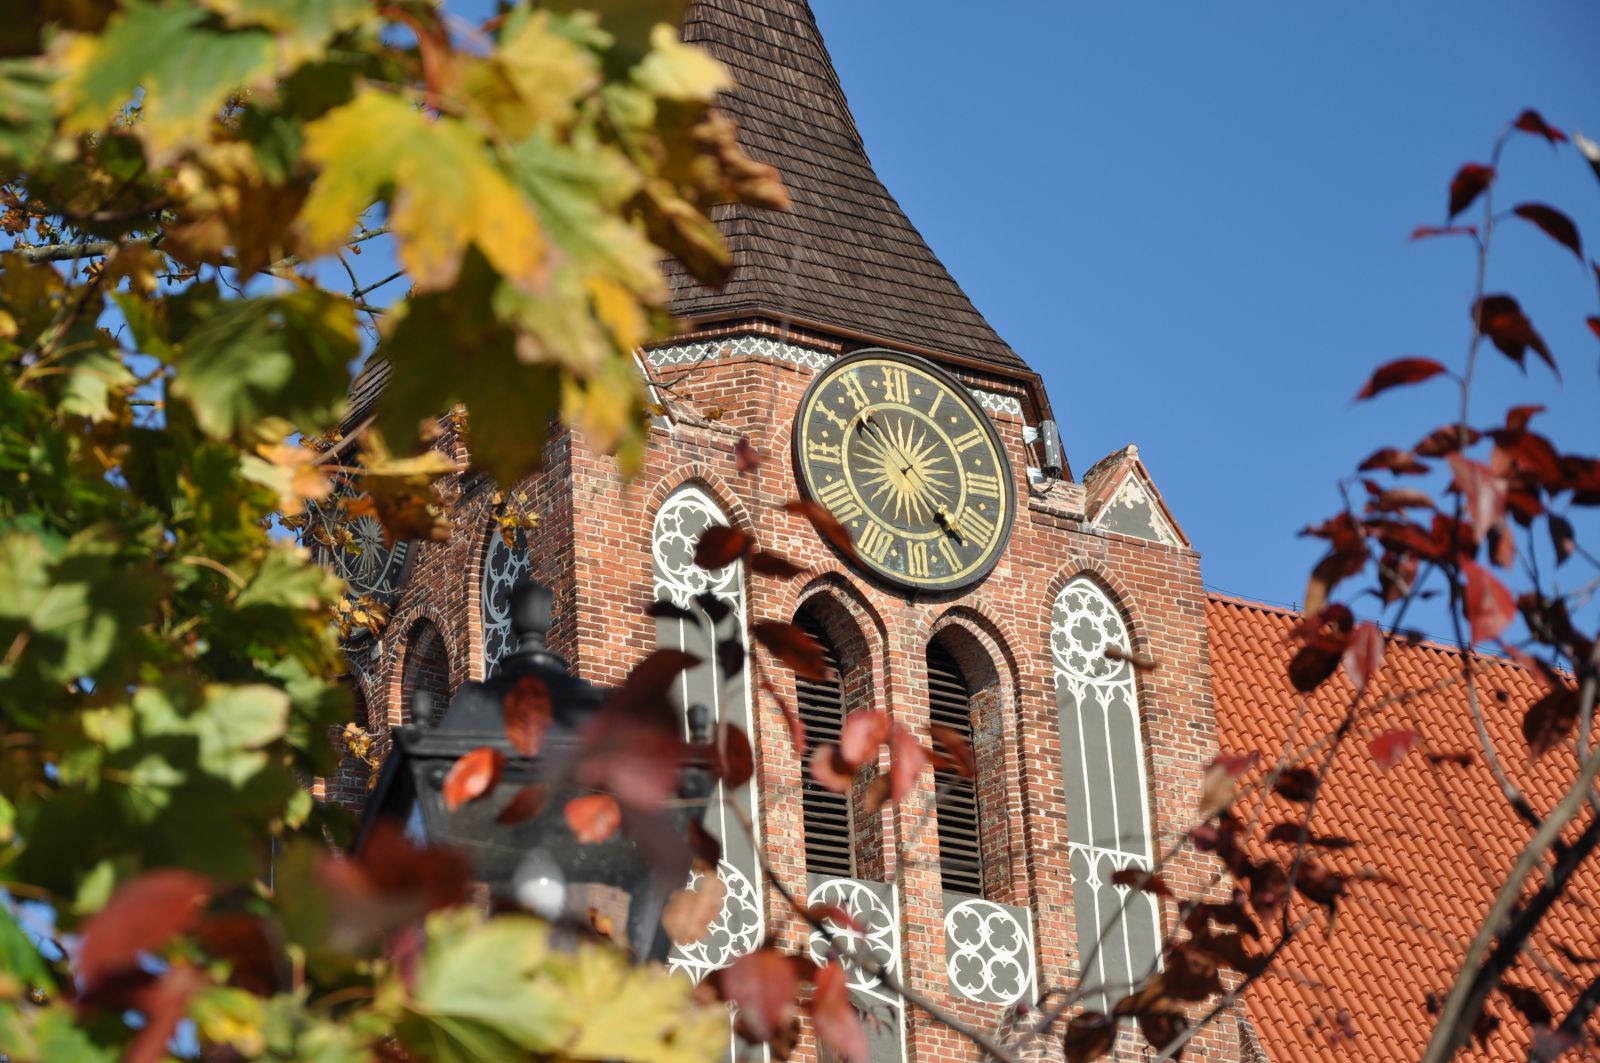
900, 453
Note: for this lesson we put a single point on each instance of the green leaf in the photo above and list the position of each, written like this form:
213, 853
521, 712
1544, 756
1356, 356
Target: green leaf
249, 362
186, 67
20, 959
93, 377
446, 190
510, 405
25, 113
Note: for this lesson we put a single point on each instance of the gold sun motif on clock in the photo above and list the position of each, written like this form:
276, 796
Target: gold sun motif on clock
904, 458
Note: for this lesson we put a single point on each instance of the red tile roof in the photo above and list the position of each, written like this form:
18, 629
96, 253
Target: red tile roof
1443, 833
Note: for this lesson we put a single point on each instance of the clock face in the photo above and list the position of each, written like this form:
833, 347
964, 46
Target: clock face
899, 452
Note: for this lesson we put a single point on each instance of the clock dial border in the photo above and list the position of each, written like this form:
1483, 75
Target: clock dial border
959, 392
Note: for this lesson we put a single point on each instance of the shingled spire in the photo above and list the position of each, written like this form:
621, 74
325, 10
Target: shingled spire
845, 256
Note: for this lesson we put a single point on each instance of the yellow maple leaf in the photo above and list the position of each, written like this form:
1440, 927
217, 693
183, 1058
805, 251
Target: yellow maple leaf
447, 191
677, 71
535, 77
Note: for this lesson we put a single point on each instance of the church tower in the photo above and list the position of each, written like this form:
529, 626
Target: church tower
1059, 621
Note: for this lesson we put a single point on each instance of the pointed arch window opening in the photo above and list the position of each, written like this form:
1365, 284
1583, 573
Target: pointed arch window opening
679, 523
503, 565
1103, 770
828, 819
956, 811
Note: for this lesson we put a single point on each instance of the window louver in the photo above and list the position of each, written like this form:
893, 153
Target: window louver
829, 831
949, 702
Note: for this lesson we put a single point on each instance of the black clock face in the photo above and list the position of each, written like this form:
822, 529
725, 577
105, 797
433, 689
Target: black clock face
899, 452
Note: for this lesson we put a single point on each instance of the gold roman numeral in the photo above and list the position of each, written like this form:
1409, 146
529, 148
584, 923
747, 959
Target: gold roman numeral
818, 451
917, 560
969, 440
938, 397
875, 542
896, 387
983, 485
951, 558
853, 388
836, 496
975, 527
838, 422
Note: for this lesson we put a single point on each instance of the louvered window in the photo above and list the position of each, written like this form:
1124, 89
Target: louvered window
829, 831
950, 704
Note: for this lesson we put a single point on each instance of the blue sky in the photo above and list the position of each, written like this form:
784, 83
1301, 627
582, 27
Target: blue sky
1192, 219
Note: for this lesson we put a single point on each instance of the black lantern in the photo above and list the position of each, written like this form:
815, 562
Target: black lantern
538, 864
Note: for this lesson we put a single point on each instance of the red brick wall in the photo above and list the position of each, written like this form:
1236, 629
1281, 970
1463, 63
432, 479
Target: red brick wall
593, 548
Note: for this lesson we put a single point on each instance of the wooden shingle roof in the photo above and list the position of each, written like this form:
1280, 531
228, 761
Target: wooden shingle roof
845, 255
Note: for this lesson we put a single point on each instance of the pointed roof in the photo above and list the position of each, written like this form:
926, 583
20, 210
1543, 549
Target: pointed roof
845, 256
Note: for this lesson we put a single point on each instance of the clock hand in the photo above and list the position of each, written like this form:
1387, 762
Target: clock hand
942, 515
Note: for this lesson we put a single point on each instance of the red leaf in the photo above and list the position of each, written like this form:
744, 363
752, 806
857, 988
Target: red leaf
733, 761
140, 917
863, 732
1508, 328
1363, 655
1530, 121
1555, 224
593, 817
1423, 232
1459, 758
472, 776
746, 458
838, 919
797, 726
527, 714
644, 693
794, 648
1269, 890
1161, 1028
1446, 439
1483, 491
1594, 324
254, 960
838, 1025
1489, 605
1089, 1035
1398, 372
1296, 784
524, 805
1400, 462
953, 750
1467, 185
907, 760
1141, 879
766, 563
1550, 720
826, 524
1234, 764
1562, 539
720, 546
1391, 747
764, 985
829, 769
1315, 662
163, 1004
638, 761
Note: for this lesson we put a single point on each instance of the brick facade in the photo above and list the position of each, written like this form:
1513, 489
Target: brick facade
593, 548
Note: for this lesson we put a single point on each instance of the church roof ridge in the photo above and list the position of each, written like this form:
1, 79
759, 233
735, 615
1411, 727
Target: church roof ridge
845, 255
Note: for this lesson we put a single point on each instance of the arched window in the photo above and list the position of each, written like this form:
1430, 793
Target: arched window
1102, 765
960, 844
715, 633
827, 818
426, 672
503, 564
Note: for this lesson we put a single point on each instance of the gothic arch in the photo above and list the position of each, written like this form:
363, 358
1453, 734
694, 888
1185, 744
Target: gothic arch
851, 630
1105, 779
985, 665
707, 479
425, 670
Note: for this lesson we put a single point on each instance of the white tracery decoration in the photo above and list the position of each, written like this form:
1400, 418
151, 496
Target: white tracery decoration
683, 517
1108, 814
990, 952
502, 566
878, 937
366, 563
679, 524
735, 931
